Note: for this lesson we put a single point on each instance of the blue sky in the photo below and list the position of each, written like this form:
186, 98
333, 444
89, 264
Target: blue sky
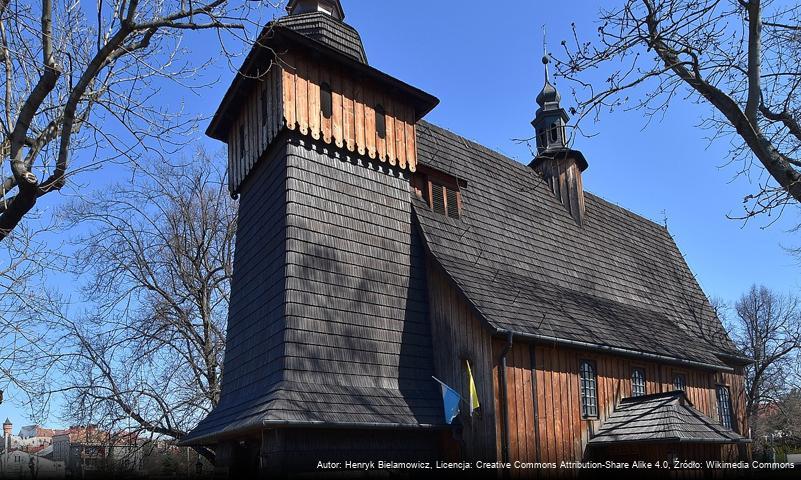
483, 63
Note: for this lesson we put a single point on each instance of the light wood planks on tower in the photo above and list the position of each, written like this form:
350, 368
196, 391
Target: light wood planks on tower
353, 122
290, 92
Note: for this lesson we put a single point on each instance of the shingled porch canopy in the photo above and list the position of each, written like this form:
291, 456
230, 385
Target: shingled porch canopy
663, 417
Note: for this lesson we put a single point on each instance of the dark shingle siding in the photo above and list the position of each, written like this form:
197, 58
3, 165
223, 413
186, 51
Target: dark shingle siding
254, 348
517, 254
328, 31
357, 317
329, 311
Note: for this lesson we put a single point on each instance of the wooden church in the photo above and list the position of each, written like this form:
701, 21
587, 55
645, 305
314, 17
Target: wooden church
376, 250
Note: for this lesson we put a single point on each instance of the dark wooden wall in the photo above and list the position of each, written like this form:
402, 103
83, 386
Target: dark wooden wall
564, 178
254, 349
357, 311
460, 335
297, 451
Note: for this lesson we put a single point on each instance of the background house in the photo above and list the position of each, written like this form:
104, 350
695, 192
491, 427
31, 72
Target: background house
28, 455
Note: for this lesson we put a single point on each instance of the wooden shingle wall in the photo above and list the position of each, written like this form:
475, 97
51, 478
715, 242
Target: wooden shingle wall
254, 349
357, 311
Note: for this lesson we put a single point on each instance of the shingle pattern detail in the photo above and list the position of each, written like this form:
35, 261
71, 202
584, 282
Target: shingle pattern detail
618, 280
327, 30
663, 417
329, 311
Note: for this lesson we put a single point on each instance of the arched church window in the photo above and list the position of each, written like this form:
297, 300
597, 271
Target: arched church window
554, 132
637, 382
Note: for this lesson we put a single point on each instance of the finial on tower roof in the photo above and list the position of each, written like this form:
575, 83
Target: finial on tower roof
548, 95
545, 59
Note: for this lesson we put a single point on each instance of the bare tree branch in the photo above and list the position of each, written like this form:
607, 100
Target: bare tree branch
720, 54
110, 62
158, 259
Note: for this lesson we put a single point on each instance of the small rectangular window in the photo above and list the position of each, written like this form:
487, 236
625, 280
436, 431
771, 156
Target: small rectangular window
438, 198
381, 122
326, 100
452, 199
637, 382
724, 406
589, 390
242, 141
265, 107
679, 382
445, 200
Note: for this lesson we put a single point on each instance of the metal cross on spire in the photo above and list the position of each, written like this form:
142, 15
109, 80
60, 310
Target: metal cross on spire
545, 59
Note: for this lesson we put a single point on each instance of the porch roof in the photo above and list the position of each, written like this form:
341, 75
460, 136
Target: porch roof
662, 417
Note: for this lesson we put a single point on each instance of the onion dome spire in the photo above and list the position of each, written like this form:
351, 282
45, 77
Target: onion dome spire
549, 94
551, 118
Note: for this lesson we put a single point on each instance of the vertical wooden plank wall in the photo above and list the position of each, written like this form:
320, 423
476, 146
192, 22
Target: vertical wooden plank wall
258, 133
353, 123
293, 91
555, 429
460, 335
564, 178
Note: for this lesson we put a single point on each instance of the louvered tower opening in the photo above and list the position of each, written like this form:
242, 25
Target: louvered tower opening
438, 198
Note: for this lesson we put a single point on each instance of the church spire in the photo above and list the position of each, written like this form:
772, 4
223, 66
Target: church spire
559, 165
551, 118
549, 94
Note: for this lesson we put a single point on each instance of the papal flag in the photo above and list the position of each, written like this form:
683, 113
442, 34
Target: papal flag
474, 405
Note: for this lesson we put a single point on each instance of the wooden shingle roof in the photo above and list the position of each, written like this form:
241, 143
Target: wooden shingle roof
305, 404
662, 417
617, 282
328, 31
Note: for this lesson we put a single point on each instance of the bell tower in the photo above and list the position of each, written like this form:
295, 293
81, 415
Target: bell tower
328, 342
559, 165
7, 432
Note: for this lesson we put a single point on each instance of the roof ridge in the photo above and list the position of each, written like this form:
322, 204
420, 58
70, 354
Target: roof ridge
654, 396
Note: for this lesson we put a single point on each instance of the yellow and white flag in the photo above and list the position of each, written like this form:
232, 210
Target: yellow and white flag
474, 405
